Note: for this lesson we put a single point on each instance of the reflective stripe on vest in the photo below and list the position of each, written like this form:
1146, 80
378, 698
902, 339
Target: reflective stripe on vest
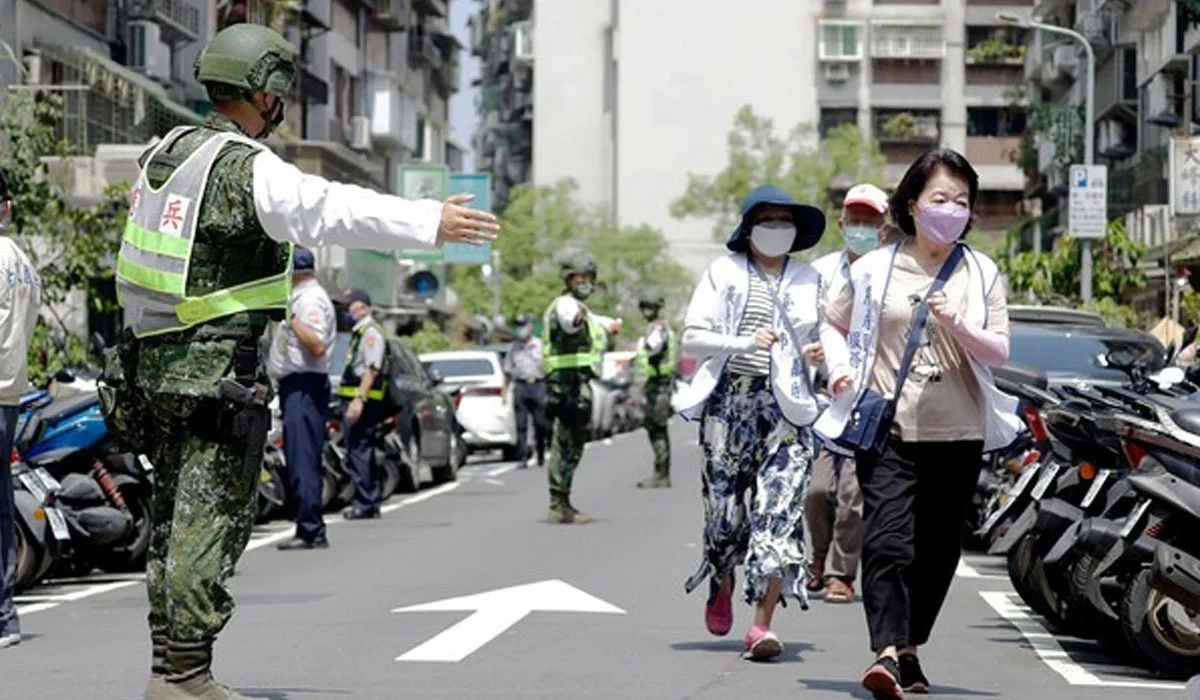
156, 251
667, 365
349, 389
592, 359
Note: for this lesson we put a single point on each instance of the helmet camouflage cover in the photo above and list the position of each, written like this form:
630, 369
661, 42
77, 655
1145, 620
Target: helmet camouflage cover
247, 58
577, 264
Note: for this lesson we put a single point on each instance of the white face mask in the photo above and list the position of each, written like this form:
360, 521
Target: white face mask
773, 238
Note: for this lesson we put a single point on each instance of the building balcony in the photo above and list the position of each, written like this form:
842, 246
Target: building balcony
906, 128
422, 52
1142, 180
1117, 87
392, 15
313, 90
905, 39
445, 78
92, 15
923, 72
521, 107
436, 8
179, 19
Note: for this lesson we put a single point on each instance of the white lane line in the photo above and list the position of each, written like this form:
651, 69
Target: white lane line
493, 482
1051, 652
965, 570
500, 470
51, 602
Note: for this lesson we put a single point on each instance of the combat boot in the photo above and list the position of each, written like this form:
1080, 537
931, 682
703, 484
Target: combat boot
560, 513
658, 481
158, 666
578, 517
189, 676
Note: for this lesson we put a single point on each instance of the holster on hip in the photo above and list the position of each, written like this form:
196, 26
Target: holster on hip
245, 419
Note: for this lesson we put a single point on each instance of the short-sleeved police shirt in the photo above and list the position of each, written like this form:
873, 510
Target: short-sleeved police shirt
370, 348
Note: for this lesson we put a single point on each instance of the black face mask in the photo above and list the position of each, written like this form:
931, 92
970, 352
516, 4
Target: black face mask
347, 319
273, 117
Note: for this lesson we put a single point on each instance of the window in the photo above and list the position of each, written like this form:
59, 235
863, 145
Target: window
907, 41
464, 367
840, 40
1076, 353
833, 117
995, 121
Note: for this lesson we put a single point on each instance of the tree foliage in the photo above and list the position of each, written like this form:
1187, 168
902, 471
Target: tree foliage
1052, 277
539, 224
71, 247
807, 166
429, 338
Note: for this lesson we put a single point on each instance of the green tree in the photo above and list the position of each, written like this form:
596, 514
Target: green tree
429, 338
1053, 276
806, 166
539, 223
72, 248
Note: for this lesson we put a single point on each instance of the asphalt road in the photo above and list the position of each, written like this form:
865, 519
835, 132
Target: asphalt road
613, 622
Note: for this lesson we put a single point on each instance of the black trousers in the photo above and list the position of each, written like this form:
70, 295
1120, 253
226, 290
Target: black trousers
305, 401
915, 499
529, 401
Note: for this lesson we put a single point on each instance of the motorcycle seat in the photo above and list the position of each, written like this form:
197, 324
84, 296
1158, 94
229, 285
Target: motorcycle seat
1187, 418
65, 407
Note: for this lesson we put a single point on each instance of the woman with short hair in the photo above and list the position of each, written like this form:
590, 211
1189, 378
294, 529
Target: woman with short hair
927, 313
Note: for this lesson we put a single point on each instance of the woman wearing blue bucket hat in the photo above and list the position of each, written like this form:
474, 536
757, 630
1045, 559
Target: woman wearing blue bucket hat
753, 321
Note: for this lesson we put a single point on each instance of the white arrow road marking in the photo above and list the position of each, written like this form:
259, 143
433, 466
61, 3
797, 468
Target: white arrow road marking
493, 612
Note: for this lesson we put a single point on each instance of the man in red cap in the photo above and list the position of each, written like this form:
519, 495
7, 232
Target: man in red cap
834, 504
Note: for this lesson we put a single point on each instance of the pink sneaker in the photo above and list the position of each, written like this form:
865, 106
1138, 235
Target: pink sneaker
718, 611
762, 644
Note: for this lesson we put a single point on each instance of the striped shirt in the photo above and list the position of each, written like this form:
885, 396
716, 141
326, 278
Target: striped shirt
760, 313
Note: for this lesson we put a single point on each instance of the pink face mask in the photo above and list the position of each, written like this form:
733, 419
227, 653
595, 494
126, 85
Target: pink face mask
943, 223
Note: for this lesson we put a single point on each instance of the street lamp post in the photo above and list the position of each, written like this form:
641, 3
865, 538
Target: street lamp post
1089, 128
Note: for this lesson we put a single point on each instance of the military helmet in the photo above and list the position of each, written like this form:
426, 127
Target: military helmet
652, 297
247, 58
577, 264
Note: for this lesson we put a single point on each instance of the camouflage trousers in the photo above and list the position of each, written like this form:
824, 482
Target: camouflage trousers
570, 411
202, 514
658, 417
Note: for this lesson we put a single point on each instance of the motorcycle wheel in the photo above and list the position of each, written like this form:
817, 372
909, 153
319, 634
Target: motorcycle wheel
1081, 617
1160, 628
132, 557
1020, 573
27, 559
328, 490
272, 491
389, 474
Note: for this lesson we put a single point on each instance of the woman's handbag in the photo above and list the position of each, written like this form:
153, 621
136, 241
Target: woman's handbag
870, 424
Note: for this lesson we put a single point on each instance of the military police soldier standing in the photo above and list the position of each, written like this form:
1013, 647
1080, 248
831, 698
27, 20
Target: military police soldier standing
575, 341
204, 266
657, 360
364, 383
524, 366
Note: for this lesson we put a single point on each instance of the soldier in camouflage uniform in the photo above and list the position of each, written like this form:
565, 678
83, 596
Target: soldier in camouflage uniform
657, 360
575, 340
204, 268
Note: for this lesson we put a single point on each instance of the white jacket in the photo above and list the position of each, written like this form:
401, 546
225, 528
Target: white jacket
711, 332
869, 276
20, 302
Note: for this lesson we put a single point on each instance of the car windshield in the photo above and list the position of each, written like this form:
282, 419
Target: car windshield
1076, 352
461, 367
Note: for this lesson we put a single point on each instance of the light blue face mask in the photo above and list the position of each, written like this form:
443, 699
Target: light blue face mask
862, 239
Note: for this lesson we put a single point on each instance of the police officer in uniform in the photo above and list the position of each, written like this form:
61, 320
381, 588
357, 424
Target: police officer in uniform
524, 367
657, 360
204, 267
364, 384
299, 363
575, 340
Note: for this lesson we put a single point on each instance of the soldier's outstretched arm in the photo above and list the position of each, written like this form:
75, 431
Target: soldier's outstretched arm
294, 207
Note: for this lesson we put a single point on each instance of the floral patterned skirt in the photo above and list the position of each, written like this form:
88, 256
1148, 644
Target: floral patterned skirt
756, 469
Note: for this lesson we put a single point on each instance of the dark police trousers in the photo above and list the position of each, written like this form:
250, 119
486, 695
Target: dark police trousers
360, 451
529, 401
8, 537
304, 398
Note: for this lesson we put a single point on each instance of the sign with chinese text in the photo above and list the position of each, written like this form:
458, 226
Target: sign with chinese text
1087, 215
1184, 160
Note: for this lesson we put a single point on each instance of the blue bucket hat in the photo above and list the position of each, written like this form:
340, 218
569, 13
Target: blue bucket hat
810, 221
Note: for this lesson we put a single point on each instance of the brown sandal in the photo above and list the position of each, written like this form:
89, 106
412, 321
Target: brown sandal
838, 591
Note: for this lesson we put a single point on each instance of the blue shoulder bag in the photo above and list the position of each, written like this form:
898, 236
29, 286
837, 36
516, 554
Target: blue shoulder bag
870, 424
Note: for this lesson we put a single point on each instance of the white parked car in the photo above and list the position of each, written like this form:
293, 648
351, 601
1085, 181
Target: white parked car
484, 411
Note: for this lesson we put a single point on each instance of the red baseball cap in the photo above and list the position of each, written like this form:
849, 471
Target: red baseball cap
867, 195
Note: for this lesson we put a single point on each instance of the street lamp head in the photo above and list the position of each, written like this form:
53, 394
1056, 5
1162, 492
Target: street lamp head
1008, 18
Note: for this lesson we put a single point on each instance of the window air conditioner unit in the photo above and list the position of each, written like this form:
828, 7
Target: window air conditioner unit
360, 133
836, 72
33, 68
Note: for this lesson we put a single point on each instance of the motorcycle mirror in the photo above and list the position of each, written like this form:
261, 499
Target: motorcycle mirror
64, 376
435, 376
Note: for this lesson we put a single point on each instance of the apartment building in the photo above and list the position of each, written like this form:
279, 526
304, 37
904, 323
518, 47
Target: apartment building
1146, 59
502, 38
916, 74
